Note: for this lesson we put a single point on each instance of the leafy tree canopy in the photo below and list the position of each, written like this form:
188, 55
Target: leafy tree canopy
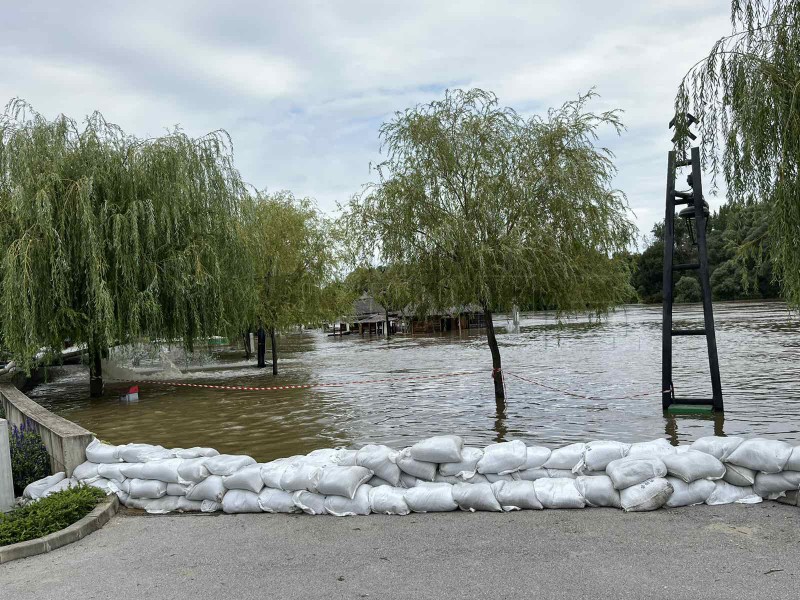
746, 93
492, 208
106, 237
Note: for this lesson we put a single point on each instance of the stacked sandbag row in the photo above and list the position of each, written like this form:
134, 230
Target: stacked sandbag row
441, 474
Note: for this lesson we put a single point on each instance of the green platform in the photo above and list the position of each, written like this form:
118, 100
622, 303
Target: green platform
690, 409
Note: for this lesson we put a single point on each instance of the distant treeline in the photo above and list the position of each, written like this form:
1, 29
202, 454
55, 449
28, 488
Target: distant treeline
738, 255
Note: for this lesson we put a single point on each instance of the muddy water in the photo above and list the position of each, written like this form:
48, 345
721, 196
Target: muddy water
759, 348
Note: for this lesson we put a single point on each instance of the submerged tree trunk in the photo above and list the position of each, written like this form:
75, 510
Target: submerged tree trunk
497, 373
274, 351
96, 374
248, 350
388, 331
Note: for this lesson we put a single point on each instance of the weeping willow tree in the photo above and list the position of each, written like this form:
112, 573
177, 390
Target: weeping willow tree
108, 238
494, 209
294, 263
746, 93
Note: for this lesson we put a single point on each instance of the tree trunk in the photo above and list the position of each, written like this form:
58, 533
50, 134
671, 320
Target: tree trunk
388, 331
497, 373
96, 374
248, 351
274, 351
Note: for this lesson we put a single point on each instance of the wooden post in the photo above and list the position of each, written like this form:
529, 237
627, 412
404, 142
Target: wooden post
702, 251
666, 314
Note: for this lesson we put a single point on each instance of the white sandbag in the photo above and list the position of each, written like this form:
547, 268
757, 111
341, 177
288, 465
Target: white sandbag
336, 480
466, 467
627, 472
405, 481
535, 457
209, 506
86, 472
768, 484
129, 470
272, 472
101, 483
689, 494
147, 488
178, 489
123, 498
242, 501
211, 488
339, 506
717, 446
139, 453
494, 478
98, 452
193, 470
443, 479
299, 476
438, 449
419, 469
163, 470
793, 463
759, 454
246, 478
35, 489
323, 457
388, 500
596, 455
558, 493
196, 452
565, 458
60, 486
646, 496
138, 503
725, 493
654, 449
532, 474
168, 504
228, 464
741, 476
555, 473
347, 458
693, 465
120, 487
273, 501
598, 491
309, 503
380, 460
502, 458
112, 471
516, 495
478, 478
431, 497
475, 496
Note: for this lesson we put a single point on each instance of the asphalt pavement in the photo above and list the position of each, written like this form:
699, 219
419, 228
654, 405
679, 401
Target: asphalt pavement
702, 552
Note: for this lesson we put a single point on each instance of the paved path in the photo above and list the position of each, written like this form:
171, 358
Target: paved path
702, 552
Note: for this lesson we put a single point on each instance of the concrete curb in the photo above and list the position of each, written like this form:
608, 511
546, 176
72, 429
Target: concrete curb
99, 516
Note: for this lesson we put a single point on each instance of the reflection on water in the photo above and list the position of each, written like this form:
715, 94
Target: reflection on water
759, 348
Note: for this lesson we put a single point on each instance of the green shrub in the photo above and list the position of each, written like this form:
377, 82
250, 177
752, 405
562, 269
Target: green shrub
29, 459
48, 515
688, 290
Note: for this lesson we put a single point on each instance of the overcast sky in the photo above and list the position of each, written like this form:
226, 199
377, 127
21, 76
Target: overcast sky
302, 87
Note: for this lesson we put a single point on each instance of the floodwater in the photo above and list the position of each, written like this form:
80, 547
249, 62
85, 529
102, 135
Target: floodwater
759, 349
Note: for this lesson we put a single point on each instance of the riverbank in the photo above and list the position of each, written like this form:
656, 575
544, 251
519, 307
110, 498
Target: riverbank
701, 552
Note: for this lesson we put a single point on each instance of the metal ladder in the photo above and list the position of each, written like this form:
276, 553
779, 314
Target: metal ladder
693, 199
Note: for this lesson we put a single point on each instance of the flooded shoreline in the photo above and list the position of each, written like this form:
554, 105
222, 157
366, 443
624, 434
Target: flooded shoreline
610, 361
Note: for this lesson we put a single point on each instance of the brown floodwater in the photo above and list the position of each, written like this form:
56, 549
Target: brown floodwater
759, 349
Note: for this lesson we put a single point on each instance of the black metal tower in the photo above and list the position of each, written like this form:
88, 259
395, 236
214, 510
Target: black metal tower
695, 213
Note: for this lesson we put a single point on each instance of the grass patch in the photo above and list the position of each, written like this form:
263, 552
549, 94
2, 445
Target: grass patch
48, 515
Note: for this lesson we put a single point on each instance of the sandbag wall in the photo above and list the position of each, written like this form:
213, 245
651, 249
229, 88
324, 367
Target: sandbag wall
441, 474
